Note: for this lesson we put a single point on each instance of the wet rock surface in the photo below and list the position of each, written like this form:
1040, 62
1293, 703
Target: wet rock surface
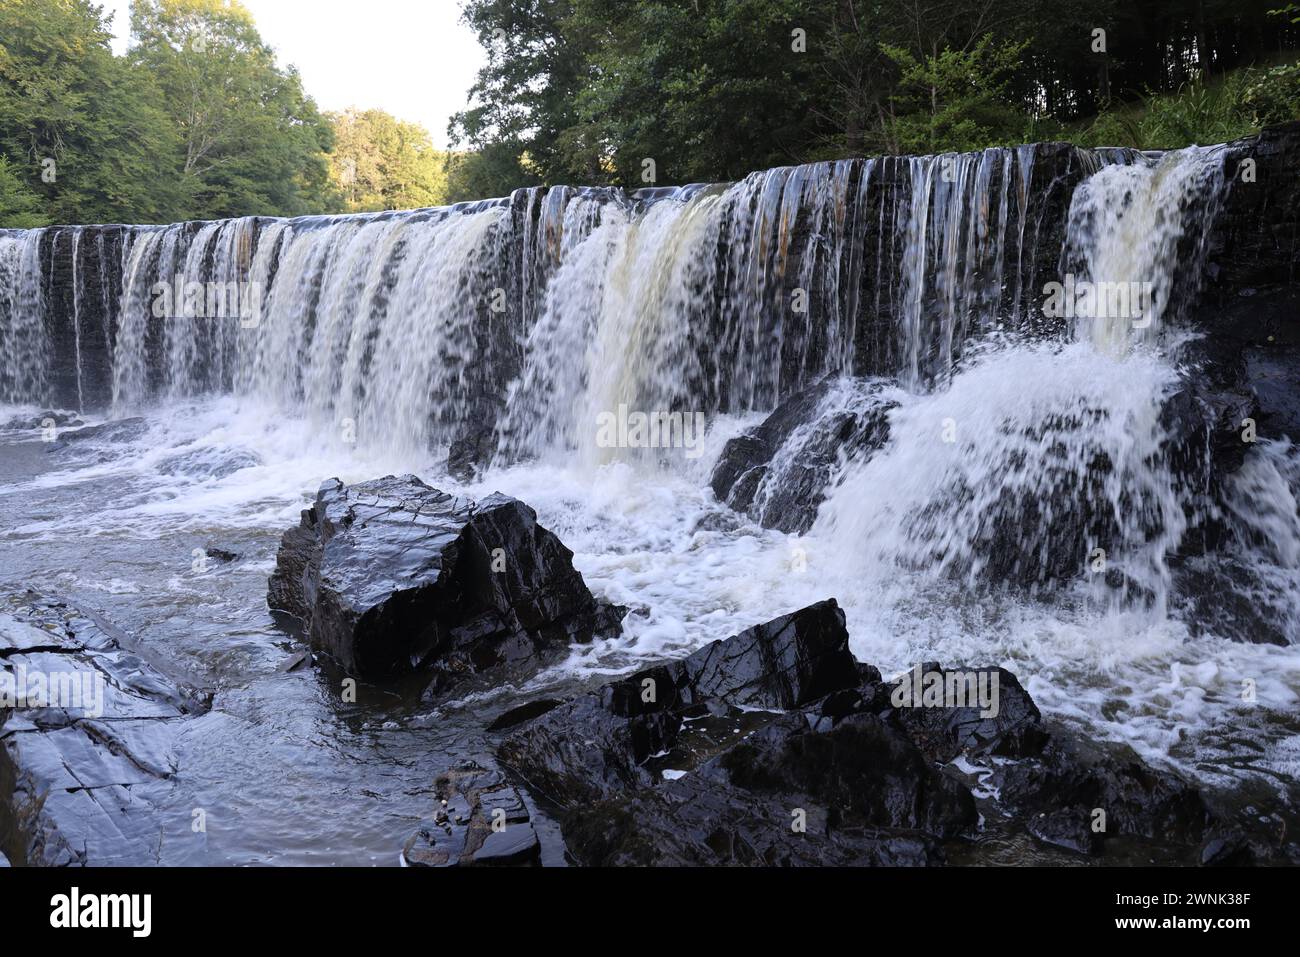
779, 471
98, 440
88, 741
41, 420
479, 820
209, 463
392, 576
777, 747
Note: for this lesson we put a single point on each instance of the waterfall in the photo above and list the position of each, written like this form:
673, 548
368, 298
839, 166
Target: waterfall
531, 314
1137, 237
1049, 462
1003, 316
24, 345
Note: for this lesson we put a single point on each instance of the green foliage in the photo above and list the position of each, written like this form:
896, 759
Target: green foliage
87, 133
587, 90
955, 101
198, 120
495, 169
20, 207
1202, 112
251, 141
380, 162
681, 85
1273, 95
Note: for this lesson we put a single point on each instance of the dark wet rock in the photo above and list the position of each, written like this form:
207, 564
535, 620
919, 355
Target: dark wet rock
1272, 370
1249, 301
1217, 595
94, 437
1015, 729
862, 769
717, 757
705, 761
296, 661
471, 452
1067, 827
220, 554
1138, 800
859, 793
392, 576
1251, 839
1204, 422
785, 663
41, 420
776, 802
525, 712
778, 472
216, 463
84, 770
480, 820
1254, 244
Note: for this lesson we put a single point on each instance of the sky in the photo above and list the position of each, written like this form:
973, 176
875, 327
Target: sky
413, 58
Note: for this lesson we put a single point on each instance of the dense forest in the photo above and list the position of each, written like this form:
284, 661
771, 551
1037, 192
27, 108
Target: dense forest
198, 120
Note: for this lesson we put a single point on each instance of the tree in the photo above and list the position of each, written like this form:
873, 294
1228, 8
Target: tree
20, 207
380, 162
85, 133
251, 142
525, 97
955, 101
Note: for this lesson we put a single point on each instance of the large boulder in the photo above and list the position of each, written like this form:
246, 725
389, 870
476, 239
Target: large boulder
741, 754
784, 663
859, 794
392, 576
1059, 791
776, 747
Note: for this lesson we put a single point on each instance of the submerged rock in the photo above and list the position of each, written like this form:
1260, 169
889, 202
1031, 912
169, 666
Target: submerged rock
216, 463
392, 576
480, 820
41, 420
98, 443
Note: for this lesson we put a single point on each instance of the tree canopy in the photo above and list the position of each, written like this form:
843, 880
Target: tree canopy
587, 90
198, 119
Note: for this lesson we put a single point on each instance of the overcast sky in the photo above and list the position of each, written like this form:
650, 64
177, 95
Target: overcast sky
413, 58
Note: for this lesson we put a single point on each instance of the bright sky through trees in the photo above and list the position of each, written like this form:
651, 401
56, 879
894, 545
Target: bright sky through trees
411, 58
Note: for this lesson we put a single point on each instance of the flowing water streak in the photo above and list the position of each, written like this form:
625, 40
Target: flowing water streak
1145, 223
24, 345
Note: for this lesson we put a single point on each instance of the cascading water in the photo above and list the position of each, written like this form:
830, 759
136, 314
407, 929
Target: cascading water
1138, 237
1027, 507
24, 347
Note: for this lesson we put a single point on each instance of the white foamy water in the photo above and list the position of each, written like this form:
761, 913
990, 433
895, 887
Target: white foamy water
653, 538
1007, 460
